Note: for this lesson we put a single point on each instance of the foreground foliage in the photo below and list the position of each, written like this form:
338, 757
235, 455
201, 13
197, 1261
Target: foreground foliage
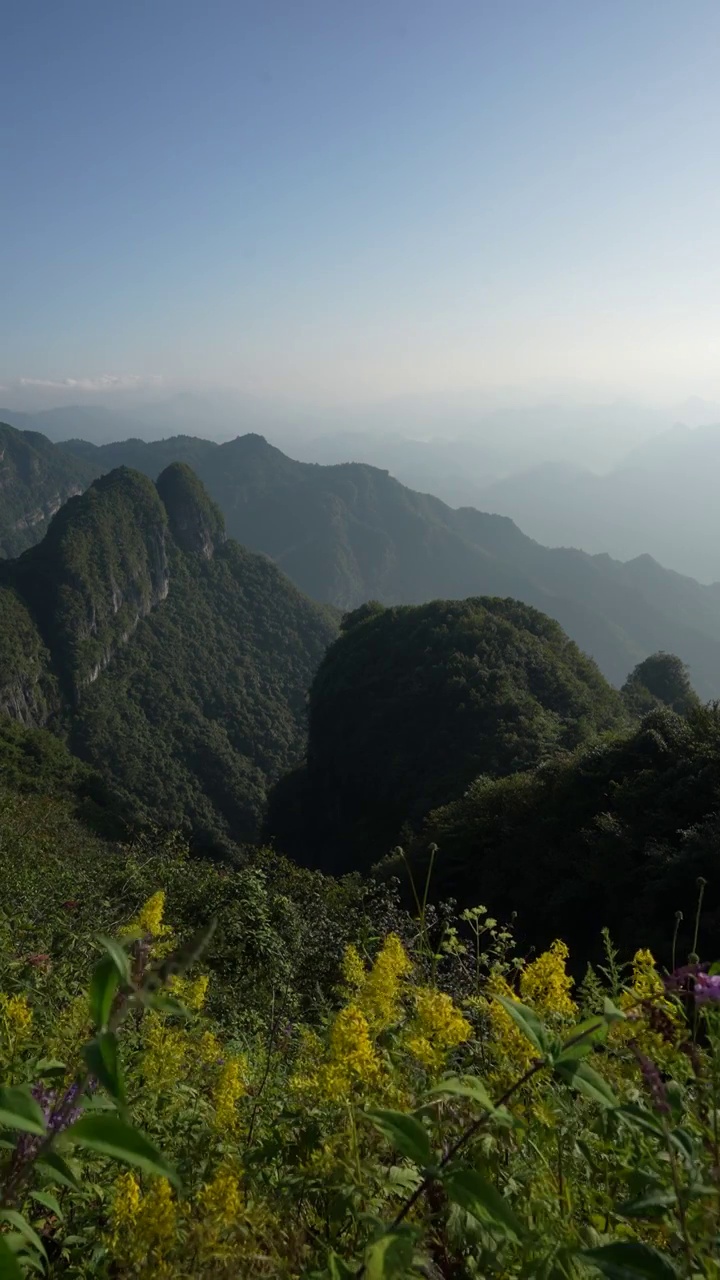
445, 1111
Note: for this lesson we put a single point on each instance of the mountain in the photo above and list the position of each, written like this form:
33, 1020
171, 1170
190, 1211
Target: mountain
96, 422
350, 533
36, 478
410, 704
661, 499
173, 661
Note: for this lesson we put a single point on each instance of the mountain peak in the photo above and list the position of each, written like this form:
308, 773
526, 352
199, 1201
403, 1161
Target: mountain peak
195, 521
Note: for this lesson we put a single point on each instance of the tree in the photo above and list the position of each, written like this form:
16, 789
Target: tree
661, 680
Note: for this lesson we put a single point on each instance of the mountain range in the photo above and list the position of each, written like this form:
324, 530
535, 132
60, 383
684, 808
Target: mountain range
350, 533
663, 496
173, 661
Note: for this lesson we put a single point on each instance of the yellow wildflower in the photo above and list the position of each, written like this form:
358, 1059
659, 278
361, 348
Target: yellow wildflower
207, 1051
190, 991
653, 1025
511, 1048
221, 1200
15, 1018
158, 1213
123, 1215
646, 981
351, 1048
545, 985
308, 1063
166, 1048
379, 997
229, 1089
353, 969
142, 1225
438, 1027
149, 924
350, 1058
150, 918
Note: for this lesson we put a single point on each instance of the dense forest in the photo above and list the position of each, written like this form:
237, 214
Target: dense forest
410, 704
168, 657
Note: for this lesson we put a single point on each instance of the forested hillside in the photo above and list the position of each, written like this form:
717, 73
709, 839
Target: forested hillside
36, 478
171, 659
350, 533
410, 704
615, 834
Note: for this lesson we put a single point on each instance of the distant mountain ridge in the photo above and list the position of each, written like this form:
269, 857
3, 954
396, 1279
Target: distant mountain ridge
36, 478
350, 532
172, 660
662, 496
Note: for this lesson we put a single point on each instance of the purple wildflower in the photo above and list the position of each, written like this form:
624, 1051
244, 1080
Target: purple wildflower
707, 988
694, 980
655, 1084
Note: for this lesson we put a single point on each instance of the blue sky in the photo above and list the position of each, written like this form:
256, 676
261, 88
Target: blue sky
319, 199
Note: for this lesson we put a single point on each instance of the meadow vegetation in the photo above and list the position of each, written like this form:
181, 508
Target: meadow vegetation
260, 1071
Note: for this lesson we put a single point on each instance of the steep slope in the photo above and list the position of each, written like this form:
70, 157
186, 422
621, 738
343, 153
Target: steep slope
614, 835
36, 478
411, 703
350, 533
171, 659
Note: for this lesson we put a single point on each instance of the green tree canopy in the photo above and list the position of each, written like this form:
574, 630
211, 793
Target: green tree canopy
410, 704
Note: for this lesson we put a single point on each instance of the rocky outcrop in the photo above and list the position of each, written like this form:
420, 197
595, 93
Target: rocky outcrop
196, 522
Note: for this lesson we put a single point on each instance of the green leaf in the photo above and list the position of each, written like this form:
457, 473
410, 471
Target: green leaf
477, 1196
50, 1067
119, 957
529, 1024
167, 1004
638, 1118
103, 1061
111, 1136
579, 1075
22, 1226
582, 1040
58, 1170
10, 1268
339, 1270
50, 1202
19, 1110
405, 1133
629, 1260
611, 1012
466, 1087
103, 986
653, 1203
391, 1255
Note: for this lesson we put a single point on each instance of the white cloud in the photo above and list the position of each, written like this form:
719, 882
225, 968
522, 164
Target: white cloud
105, 382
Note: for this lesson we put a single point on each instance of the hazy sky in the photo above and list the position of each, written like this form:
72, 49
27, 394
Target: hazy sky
351, 199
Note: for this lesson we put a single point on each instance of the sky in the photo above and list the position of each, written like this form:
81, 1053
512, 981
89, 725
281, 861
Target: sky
334, 201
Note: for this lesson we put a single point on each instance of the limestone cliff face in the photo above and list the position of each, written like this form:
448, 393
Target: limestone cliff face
102, 566
36, 478
196, 522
